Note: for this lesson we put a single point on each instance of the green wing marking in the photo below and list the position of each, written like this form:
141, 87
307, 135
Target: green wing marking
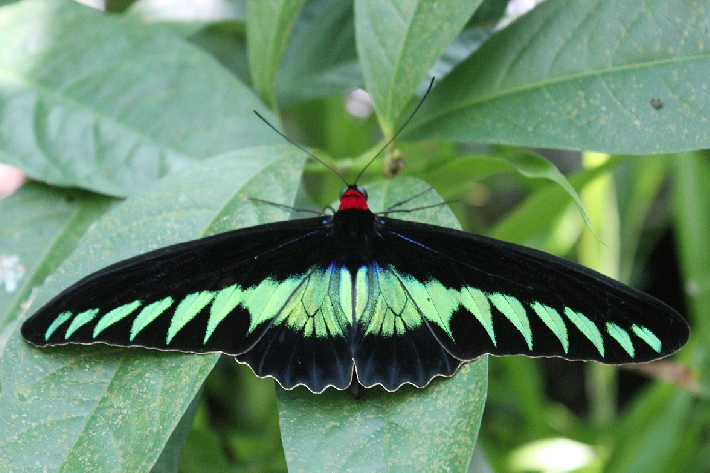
554, 322
328, 301
56, 323
621, 336
515, 312
398, 302
146, 316
647, 336
80, 320
587, 328
476, 302
223, 304
188, 308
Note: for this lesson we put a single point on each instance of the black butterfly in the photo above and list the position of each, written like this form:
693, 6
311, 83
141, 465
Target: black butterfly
356, 297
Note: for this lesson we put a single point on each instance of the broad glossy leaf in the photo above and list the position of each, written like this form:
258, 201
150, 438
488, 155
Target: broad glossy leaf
639, 184
615, 77
40, 227
528, 164
653, 436
692, 215
169, 460
398, 41
74, 406
386, 431
227, 43
269, 27
110, 104
321, 58
539, 211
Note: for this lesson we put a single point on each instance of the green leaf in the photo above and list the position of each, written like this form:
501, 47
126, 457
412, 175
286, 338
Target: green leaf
321, 58
468, 168
639, 186
226, 42
423, 429
540, 210
691, 209
398, 42
110, 104
583, 75
651, 434
71, 406
40, 227
169, 459
269, 25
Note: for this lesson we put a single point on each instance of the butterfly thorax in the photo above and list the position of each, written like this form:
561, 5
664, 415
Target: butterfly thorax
356, 238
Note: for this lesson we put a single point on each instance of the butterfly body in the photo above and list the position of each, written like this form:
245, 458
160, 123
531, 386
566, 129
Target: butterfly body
358, 298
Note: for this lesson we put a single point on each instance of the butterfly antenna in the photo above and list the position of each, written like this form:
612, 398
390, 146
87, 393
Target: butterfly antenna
394, 137
409, 199
300, 147
415, 209
286, 207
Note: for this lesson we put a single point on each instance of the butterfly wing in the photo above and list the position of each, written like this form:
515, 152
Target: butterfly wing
240, 292
478, 295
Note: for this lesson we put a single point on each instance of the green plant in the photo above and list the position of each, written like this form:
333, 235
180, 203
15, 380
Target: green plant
156, 110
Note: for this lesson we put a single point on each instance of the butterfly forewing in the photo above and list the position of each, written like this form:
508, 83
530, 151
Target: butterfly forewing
235, 292
488, 296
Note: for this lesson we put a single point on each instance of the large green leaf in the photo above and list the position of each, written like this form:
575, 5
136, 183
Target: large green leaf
540, 210
40, 227
412, 429
321, 58
468, 168
692, 216
73, 407
651, 435
612, 76
398, 41
269, 25
110, 104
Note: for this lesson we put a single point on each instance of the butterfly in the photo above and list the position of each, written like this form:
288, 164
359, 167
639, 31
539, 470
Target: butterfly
354, 298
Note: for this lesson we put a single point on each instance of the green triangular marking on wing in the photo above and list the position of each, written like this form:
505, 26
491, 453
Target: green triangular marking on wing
621, 336
80, 320
420, 301
446, 301
61, 318
361, 292
346, 292
186, 310
148, 314
308, 303
114, 316
587, 328
393, 304
515, 312
647, 336
477, 303
554, 322
223, 304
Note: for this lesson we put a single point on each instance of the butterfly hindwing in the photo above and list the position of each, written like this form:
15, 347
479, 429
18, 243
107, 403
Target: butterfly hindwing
393, 344
311, 332
481, 295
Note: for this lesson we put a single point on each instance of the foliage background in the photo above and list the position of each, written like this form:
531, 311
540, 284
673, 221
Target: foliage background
152, 102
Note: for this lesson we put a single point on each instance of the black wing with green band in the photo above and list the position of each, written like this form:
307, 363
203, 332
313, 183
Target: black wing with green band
314, 301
